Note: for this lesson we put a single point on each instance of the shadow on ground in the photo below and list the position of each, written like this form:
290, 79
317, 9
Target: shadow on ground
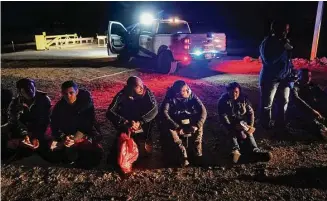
314, 177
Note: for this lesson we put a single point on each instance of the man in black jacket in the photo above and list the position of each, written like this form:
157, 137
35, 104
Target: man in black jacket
310, 102
73, 126
237, 116
28, 119
183, 113
275, 74
133, 109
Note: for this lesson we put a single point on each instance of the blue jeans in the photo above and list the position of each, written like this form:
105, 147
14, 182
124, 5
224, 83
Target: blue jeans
250, 143
274, 92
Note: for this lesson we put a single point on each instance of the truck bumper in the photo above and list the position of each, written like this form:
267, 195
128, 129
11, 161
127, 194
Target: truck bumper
208, 56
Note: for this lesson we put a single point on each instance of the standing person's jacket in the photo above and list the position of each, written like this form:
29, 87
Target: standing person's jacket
67, 119
174, 110
32, 119
233, 111
276, 64
127, 108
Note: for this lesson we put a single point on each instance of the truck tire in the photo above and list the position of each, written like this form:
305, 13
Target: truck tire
164, 61
123, 58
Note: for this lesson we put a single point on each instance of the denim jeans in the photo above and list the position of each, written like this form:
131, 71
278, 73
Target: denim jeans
250, 143
274, 92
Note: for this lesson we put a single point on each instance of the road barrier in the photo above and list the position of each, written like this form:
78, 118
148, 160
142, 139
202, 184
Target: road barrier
44, 42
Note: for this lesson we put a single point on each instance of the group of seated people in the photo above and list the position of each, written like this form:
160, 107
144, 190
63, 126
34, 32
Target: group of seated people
74, 136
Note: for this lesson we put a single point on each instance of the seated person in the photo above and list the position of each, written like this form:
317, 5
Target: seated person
183, 113
73, 128
310, 102
133, 110
28, 119
237, 117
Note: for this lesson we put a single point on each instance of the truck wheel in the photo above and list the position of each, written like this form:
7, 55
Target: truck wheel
123, 58
164, 61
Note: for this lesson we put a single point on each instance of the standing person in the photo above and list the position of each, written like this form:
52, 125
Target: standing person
275, 74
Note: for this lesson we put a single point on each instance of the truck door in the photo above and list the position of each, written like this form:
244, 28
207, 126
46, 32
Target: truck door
117, 36
146, 40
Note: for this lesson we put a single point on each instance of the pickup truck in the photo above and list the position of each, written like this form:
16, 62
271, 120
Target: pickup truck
165, 40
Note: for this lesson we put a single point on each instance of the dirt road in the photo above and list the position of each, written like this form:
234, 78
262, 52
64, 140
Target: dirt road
297, 172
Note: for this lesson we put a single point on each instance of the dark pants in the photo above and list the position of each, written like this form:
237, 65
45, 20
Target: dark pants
270, 92
139, 138
10, 133
84, 155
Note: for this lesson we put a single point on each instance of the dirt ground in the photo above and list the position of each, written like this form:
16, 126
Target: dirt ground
298, 170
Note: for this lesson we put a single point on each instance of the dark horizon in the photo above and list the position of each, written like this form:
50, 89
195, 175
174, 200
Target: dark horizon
245, 23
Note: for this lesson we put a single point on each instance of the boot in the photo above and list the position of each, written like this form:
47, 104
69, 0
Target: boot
235, 155
263, 155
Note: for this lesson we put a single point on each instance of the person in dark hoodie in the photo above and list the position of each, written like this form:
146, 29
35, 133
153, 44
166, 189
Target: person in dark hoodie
275, 74
133, 109
237, 116
310, 103
75, 136
183, 113
28, 119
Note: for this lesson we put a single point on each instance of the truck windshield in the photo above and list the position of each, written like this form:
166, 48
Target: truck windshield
173, 28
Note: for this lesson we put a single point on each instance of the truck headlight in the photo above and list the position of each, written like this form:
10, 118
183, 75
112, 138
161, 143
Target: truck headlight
197, 52
146, 18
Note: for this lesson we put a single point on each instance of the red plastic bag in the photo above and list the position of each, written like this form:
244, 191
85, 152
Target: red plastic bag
127, 152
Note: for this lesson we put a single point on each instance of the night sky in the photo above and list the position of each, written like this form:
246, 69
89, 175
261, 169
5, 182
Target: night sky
245, 23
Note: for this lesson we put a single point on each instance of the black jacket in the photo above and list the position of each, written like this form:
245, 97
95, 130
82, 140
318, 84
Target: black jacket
233, 111
33, 119
67, 119
174, 110
308, 97
124, 107
276, 64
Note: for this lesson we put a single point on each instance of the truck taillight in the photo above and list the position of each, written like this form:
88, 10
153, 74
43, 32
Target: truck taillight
187, 41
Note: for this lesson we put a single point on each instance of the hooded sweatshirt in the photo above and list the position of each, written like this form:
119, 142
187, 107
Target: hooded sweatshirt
276, 64
69, 119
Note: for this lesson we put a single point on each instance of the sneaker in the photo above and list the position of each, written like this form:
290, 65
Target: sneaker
185, 163
236, 155
323, 133
262, 154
